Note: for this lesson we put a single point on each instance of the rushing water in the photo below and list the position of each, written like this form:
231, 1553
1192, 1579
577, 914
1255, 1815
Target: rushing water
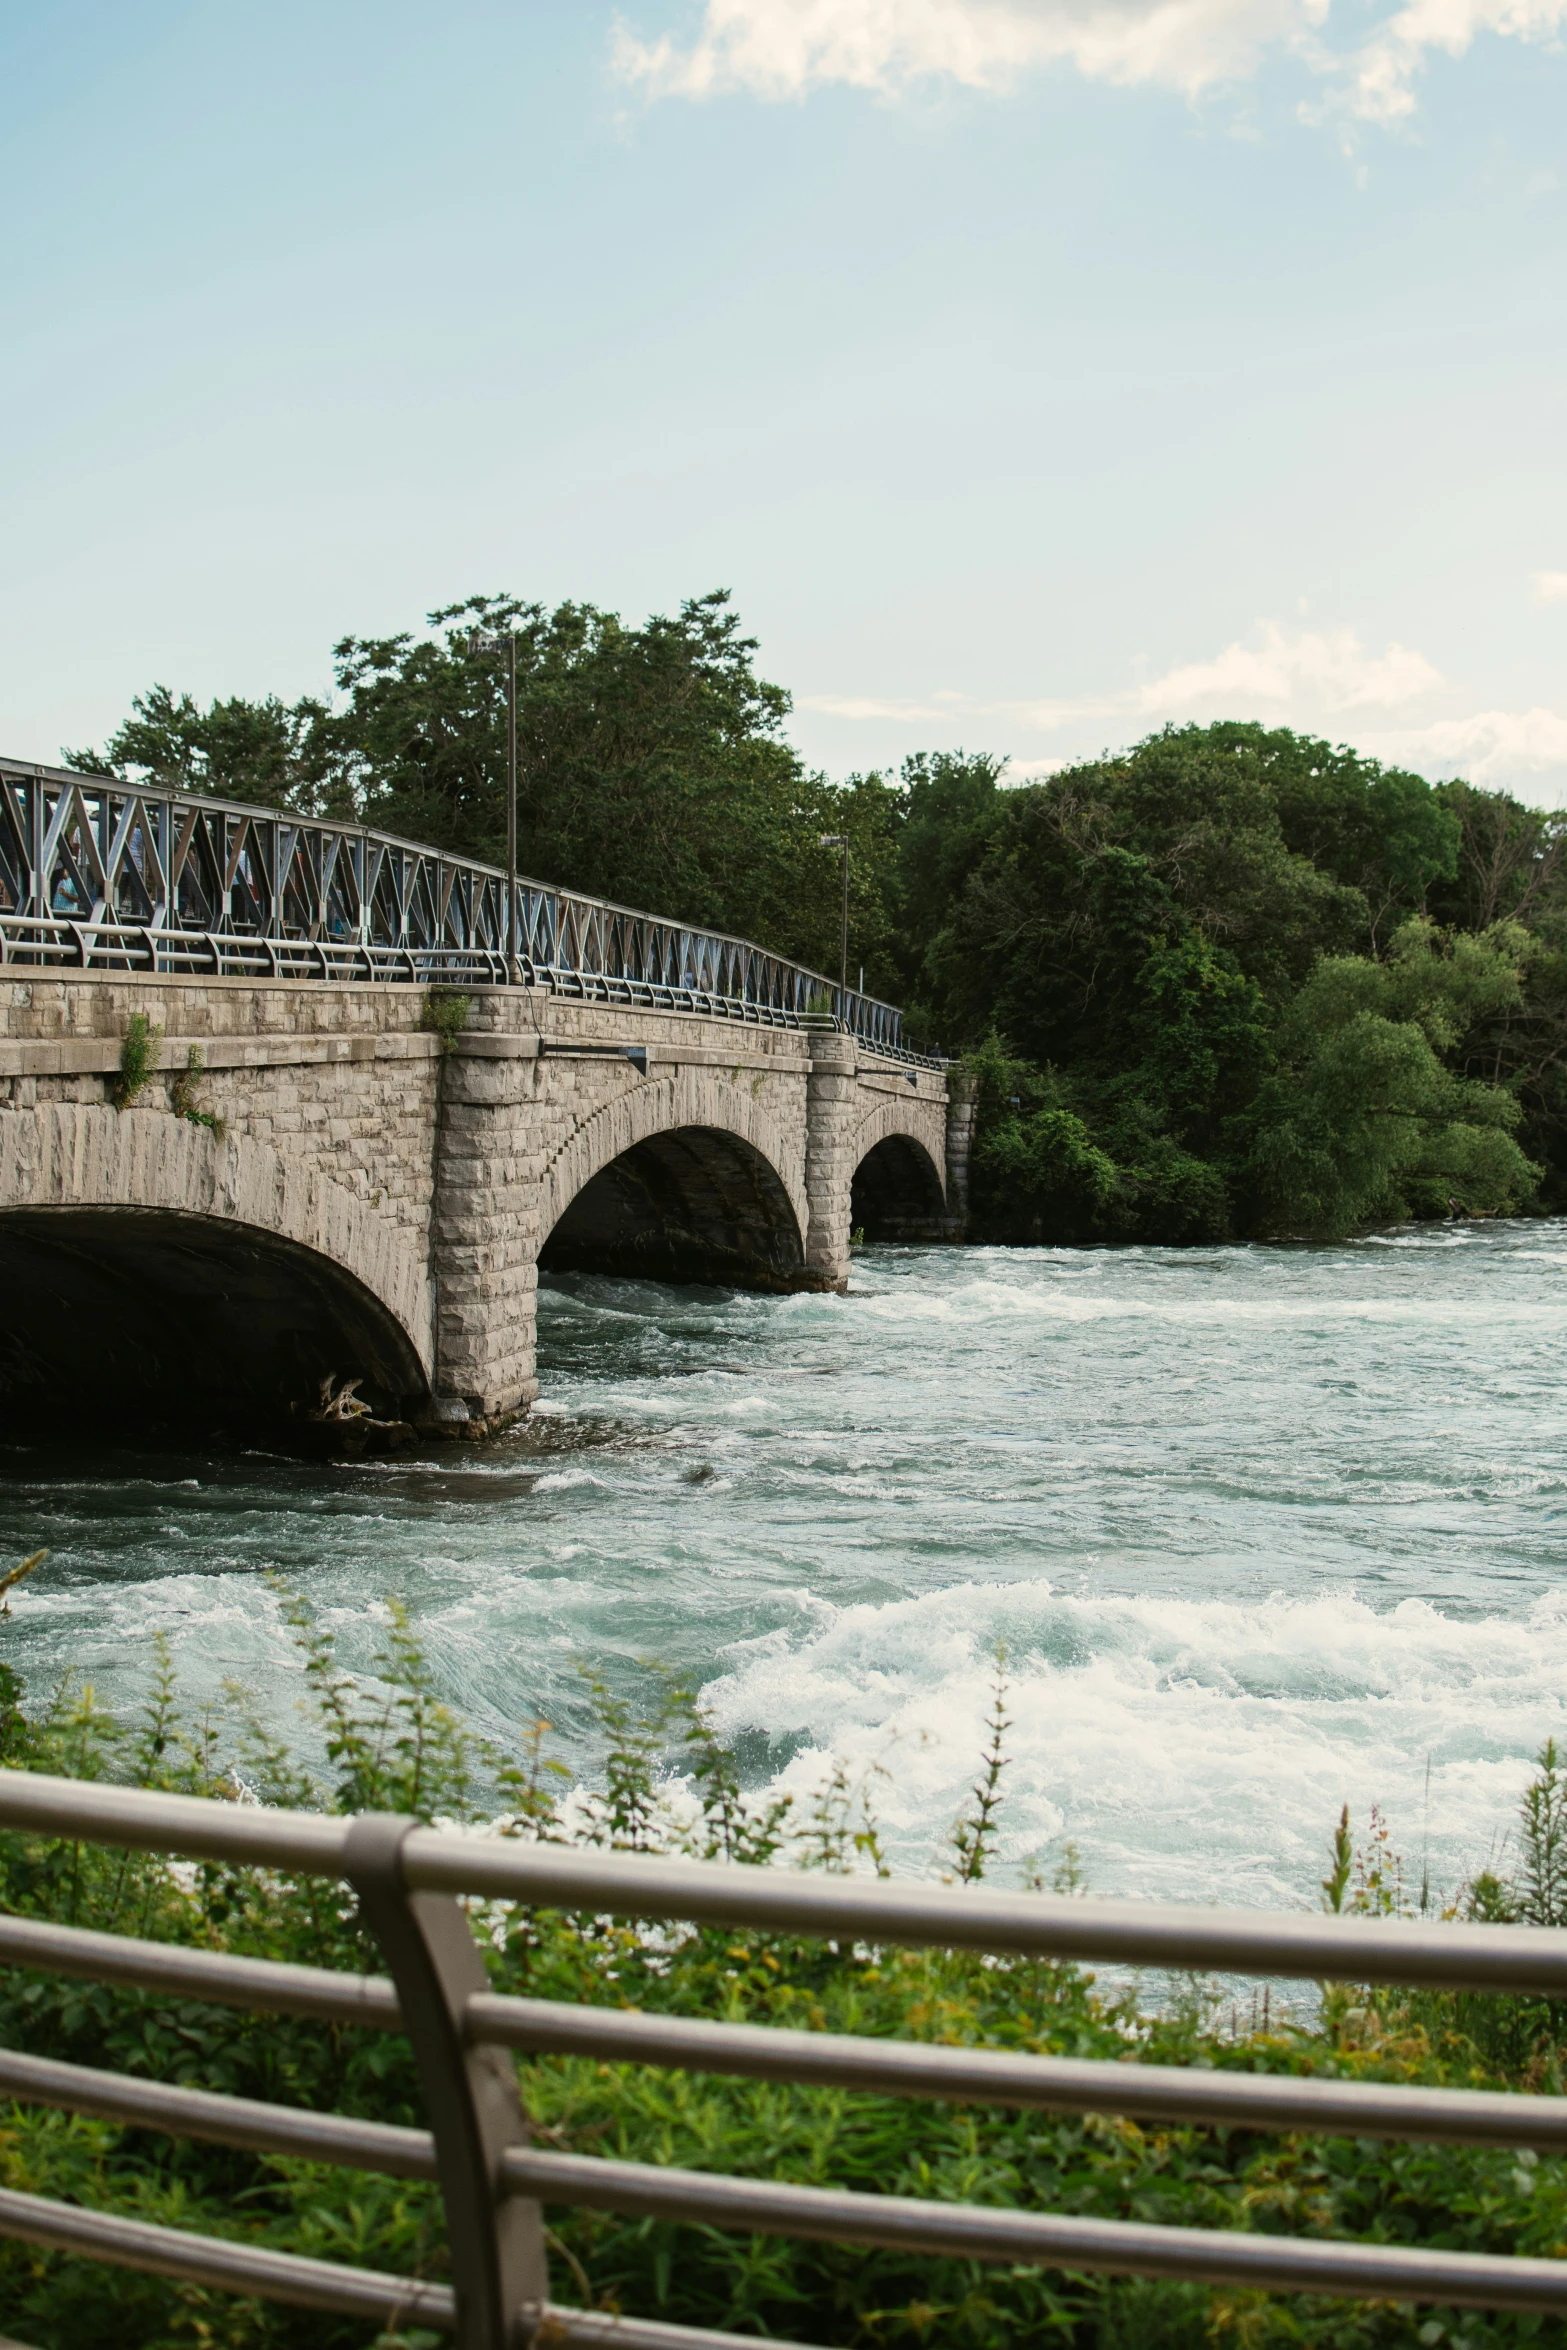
1262, 1530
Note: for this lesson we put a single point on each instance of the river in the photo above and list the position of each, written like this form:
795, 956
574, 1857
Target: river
1263, 1530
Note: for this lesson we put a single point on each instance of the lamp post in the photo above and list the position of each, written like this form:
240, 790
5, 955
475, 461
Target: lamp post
491, 642
840, 840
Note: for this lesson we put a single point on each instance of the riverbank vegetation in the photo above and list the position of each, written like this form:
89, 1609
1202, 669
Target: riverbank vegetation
1231, 983
667, 1780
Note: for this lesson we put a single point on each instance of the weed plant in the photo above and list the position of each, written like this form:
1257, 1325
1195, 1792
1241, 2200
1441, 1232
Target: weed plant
669, 1782
138, 1060
185, 1095
445, 1016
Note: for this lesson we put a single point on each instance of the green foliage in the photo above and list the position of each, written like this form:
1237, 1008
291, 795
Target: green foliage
138, 1060
18, 1574
667, 1780
185, 1096
1226, 1008
1336, 1883
1366, 1120
974, 1836
263, 752
652, 765
446, 1016
1541, 1895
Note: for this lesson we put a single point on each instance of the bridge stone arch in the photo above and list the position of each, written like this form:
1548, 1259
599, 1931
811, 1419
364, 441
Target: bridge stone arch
898, 1189
674, 1101
158, 1271
690, 1175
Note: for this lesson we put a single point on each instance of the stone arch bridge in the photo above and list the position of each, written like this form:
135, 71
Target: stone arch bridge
315, 1183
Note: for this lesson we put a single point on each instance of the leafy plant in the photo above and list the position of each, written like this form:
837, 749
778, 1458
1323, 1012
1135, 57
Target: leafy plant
974, 1836
1336, 1883
184, 1095
18, 1574
447, 1016
138, 1060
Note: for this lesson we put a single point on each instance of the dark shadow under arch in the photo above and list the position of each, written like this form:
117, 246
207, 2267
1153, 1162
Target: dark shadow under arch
693, 1205
148, 1319
897, 1193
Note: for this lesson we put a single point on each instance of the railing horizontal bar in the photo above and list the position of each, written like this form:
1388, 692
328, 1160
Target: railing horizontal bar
599, 2329
269, 1985
228, 2121
143, 1819
902, 2068
230, 2267
968, 2231
1042, 1925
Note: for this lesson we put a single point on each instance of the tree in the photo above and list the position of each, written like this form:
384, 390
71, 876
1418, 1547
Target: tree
1380, 830
267, 752
653, 765
1365, 1120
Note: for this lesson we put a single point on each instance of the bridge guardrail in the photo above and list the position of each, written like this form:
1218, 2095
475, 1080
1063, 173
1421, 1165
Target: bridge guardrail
100, 874
409, 1881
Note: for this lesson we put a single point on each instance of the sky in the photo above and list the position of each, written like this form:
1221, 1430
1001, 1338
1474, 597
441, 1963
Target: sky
1033, 372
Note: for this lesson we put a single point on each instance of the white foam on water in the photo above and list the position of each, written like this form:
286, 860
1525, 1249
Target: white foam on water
1194, 1750
985, 1301
1262, 1530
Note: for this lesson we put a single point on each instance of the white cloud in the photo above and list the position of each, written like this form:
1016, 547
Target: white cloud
1494, 747
1383, 75
784, 48
777, 49
1320, 681
1550, 586
781, 48
1328, 672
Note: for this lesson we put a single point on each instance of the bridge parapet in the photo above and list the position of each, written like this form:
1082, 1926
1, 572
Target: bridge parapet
100, 874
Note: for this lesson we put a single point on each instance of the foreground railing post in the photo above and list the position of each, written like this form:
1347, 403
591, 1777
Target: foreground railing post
470, 2093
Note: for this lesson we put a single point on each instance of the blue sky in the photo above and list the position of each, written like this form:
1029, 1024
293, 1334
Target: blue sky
1032, 371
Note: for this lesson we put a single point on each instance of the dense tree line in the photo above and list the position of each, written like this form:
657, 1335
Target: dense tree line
1233, 982
1239, 983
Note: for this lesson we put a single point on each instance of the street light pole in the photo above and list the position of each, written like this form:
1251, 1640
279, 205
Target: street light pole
840, 840
511, 809
488, 641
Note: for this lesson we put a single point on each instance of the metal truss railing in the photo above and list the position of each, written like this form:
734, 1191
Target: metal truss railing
410, 1880
99, 874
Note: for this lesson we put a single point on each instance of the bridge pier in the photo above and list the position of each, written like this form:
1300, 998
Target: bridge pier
831, 1118
484, 1237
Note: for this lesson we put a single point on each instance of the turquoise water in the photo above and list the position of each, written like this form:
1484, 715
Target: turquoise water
1262, 1530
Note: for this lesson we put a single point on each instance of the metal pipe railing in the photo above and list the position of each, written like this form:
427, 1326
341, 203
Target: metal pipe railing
1183, 1937
97, 873
884, 2068
409, 1881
